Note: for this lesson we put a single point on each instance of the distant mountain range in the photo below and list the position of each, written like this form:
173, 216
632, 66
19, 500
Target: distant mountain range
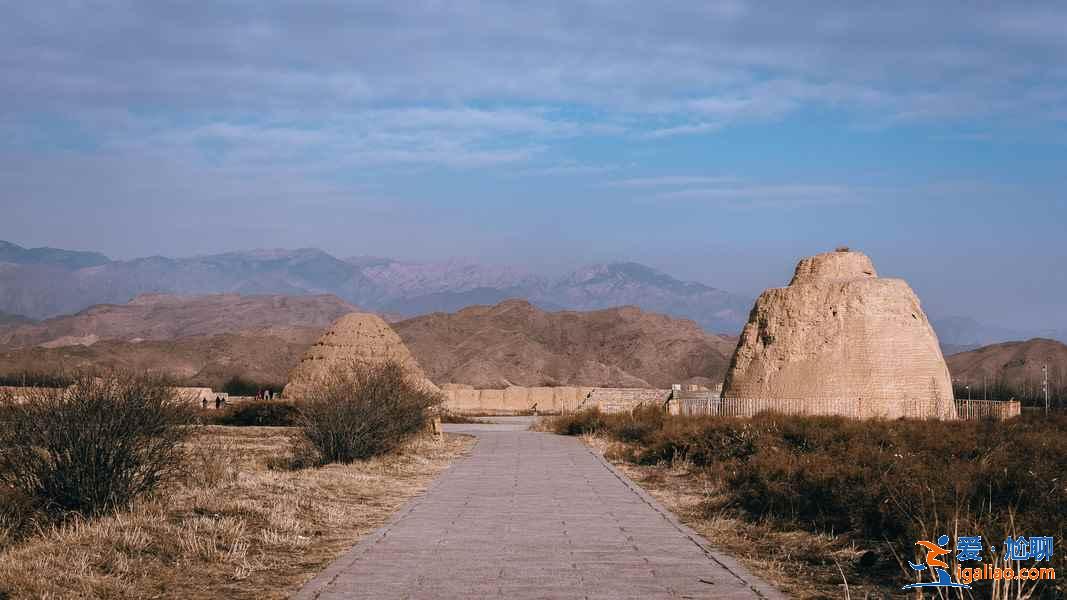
961, 334
155, 317
46, 282
9, 319
208, 340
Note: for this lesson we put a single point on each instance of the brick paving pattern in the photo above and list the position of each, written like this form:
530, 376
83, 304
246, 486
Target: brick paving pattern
533, 515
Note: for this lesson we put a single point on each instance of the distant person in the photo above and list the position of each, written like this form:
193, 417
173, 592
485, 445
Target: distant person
203, 403
218, 402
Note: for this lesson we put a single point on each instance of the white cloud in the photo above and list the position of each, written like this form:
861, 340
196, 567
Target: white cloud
671, 180
737, 192
627, 57
567, 170
691, 129
767, 195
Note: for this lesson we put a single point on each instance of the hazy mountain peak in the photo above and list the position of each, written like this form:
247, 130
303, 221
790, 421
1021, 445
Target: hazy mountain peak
403, 287
627, 272
69, 259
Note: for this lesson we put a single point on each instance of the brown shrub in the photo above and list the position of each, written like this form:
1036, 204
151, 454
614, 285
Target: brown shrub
259, 413
892, 481
95, 446
364, 410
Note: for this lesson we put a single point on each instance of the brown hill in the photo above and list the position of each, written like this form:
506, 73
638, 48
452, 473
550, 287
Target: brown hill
1016, 365
206, 340
164, 317
263, 356
515, 343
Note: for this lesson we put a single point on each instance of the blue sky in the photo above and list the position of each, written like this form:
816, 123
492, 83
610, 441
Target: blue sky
719, 141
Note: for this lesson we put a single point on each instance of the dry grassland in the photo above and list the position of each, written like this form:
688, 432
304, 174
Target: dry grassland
233, 529
802, 564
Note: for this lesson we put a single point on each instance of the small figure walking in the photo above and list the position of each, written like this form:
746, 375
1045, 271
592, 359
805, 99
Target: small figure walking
203, 403
218, 402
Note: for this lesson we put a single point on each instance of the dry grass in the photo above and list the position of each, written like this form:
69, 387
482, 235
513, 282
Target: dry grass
233, 529
835, 500
799, 563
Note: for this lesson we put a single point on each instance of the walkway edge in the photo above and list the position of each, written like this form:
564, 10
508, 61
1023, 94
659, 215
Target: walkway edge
727, 562
315, 586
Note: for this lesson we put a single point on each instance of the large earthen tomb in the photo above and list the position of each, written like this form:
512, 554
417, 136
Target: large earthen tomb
354, 338
839, 340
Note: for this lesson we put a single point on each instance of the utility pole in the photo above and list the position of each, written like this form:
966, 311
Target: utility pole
1044, 373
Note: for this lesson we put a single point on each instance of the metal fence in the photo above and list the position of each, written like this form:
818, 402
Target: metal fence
694, 407
988, 409
853, 408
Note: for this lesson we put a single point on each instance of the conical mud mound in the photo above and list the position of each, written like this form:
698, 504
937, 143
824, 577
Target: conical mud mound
840, 340
355, 337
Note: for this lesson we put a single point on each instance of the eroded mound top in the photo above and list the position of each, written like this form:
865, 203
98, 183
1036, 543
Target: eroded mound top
358, 328
830, 266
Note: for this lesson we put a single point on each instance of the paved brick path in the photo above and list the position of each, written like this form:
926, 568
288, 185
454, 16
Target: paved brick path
533, 515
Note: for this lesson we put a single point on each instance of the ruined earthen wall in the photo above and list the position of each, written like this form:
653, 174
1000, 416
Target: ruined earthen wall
513, 400
546, 400
612, 400
192, 394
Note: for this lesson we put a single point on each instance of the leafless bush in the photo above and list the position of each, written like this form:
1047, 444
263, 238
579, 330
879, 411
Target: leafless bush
94, 446
364, 410
883, 483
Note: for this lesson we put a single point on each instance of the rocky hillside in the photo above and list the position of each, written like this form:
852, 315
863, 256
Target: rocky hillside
516, 343
264, 357
45, 282
1017, 364
208, 340
164, 317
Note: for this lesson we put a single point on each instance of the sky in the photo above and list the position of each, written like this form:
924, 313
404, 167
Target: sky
719, 141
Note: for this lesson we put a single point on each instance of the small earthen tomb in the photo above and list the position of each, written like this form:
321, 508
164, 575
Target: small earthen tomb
354, 338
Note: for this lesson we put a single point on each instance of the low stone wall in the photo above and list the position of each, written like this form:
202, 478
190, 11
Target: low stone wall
611, 400
463, 399
513, 400
197, 394
192, 394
